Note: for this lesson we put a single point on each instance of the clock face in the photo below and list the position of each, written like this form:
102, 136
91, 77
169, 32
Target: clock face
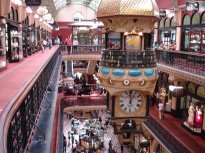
130, 101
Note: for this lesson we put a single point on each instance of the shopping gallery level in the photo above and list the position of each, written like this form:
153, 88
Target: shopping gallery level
102, 76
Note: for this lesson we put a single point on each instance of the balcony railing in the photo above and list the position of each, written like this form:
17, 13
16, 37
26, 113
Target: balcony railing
128, 59
165, 137
86, 100
23, 119
119, 130
187, 61
82, 49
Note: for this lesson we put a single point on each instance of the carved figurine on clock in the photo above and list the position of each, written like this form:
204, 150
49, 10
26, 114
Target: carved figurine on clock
130, 103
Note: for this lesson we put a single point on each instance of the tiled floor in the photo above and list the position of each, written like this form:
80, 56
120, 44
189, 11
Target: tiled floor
108, 135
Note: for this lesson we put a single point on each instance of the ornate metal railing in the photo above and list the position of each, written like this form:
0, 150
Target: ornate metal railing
128, 59
165, 137
82, 49
119, 130
187, 61
70, 101
22, 122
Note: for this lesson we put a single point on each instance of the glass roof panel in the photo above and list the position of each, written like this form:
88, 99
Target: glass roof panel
93, 4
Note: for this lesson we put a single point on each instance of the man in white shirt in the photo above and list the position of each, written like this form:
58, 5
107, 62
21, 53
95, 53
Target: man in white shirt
161, 109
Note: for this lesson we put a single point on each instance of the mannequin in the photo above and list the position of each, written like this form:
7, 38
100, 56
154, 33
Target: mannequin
198, 118
191, 115
15, 48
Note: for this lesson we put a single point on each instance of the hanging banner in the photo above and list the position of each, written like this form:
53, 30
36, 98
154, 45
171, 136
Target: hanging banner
33, 2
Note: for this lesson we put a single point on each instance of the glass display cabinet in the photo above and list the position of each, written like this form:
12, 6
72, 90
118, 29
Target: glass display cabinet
3, 62
195, 41
13, 36
203, 42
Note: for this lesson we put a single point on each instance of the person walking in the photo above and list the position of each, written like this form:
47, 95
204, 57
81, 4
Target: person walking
75, 44
161, 109
64, 144
68, 44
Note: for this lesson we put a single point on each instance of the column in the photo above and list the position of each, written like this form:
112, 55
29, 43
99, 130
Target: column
177, 18
91, 67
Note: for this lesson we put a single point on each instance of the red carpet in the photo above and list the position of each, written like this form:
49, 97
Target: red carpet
174, 126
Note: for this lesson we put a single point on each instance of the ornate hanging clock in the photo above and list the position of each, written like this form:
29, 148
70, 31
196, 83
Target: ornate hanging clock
130, 101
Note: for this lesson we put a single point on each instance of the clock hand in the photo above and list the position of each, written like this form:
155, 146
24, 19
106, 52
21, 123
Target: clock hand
130, 97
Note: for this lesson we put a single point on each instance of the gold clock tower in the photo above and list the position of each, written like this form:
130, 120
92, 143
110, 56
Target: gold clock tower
127, 70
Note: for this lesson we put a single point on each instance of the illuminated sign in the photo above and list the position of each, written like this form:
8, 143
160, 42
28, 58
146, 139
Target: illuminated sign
162, 14
192, 6
33, 2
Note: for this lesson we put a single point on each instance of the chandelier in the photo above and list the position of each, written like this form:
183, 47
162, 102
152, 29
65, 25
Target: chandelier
42, 10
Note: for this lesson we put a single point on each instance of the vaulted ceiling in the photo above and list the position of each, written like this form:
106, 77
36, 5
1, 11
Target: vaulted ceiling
93, 4
55, 5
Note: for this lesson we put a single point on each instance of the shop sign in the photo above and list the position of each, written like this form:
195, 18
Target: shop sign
162, 14
192, 6
33, 2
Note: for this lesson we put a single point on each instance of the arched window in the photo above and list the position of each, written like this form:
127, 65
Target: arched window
167, 22
195, 19
11, 14
173, 23
78, 16
201, 91
161, 24
186, 20
16, 15
203, 18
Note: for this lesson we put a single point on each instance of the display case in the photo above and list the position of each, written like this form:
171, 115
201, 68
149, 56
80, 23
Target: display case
203, 41
3, 62
24, 40
195, 41
13, 42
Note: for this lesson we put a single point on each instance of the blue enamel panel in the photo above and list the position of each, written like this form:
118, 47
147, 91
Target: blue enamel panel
105, 71
118, 72
149, 72
134, 73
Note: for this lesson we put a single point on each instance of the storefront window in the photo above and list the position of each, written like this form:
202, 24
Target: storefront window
203, 18
167, 31
167, 22
195, 102
161, 25
186, 20
2, 47
195, 19
193, 36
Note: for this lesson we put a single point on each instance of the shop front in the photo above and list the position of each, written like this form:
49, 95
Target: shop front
193, 33
3, 62
167, 32
25, 36
194, 114
13, 37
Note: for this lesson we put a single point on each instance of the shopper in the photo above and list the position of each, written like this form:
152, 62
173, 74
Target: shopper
155, 45
44, 44
161, 109
64, 144
75, 44
68, 44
